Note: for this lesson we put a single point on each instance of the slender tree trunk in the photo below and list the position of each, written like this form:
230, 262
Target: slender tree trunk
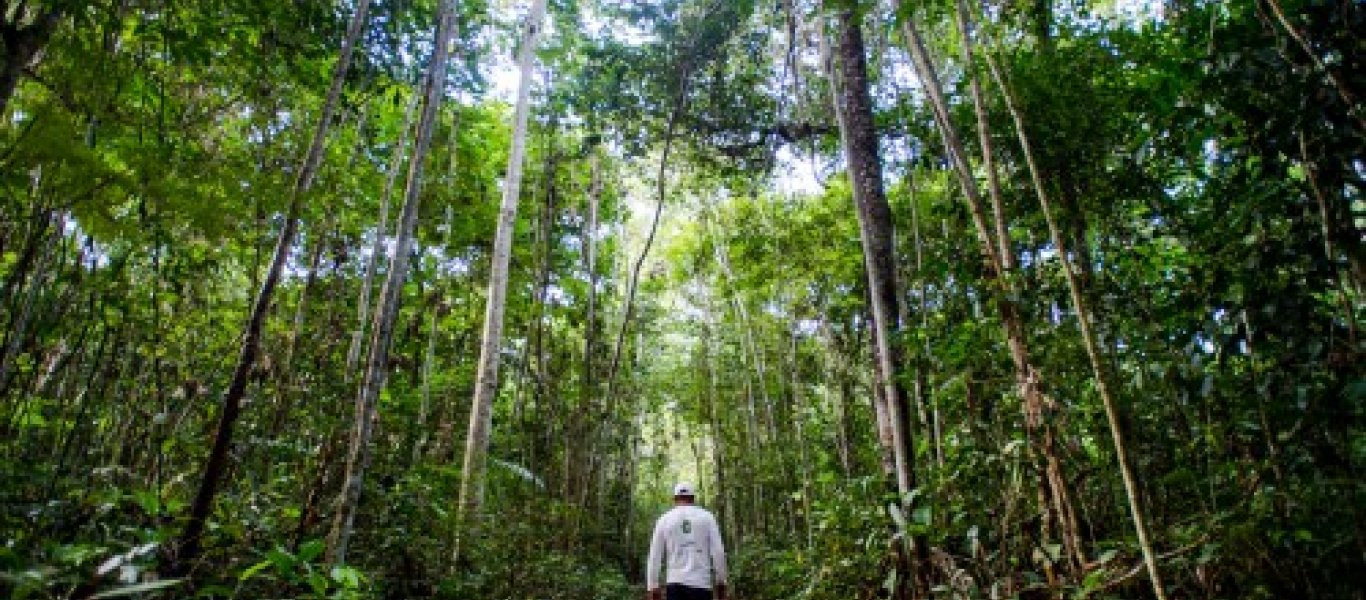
929, 78
588, 382
34, 242
1036, 404
382, 331
723, 495
97, 364
674, 115
23, 314
1088, 336
923, 386
838, 376
853, 107
429, 357
285, 373
750, 343
536, 353
590, 260
751, 346
486, 383
1004, 251
381, 232
1332, 229
232, 401
882, 418
803, 451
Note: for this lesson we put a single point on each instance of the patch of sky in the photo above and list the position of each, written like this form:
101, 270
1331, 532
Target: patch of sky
807, 327
1129, 14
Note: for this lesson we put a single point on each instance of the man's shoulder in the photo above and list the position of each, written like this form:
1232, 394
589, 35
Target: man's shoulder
668, 515
698, 511
685, 512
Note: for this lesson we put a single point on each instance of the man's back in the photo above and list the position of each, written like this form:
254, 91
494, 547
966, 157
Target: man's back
686, 541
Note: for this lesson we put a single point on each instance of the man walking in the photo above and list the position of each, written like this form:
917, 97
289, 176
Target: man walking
687, 535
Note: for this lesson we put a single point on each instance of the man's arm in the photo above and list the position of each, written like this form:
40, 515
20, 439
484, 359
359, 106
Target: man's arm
656, 559
718, 559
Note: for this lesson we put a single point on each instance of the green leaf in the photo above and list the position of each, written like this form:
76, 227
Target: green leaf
254, 570
317, 583
348, 577
310, 550
284, 562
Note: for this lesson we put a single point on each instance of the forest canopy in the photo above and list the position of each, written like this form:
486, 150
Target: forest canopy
440, 298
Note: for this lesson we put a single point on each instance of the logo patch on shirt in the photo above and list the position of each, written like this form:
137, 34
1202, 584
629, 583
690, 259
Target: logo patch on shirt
686, 526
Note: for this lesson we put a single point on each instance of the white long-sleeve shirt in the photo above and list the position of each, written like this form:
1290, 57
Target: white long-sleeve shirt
688, 536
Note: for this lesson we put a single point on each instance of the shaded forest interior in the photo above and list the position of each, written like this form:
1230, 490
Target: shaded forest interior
438, 298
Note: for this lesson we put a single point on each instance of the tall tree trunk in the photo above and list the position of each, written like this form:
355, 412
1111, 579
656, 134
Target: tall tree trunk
232, 401
853, 107
922, 383
751, 345
588, 382
286, 380
1088, 337
675, 114
22, 314
723, 494
386, 312
486, 383
929, 78
882, 418
1053, 484
837, 373
1004, 251
429, 356
590, 265
381, 231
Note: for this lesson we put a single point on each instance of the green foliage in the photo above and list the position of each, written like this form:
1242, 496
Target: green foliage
1205, 163
282, 570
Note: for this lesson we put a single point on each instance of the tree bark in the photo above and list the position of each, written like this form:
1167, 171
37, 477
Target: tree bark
190, 540
486, 384
382, 331
853, 107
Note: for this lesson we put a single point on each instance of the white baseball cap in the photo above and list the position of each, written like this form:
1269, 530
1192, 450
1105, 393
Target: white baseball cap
684, 489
